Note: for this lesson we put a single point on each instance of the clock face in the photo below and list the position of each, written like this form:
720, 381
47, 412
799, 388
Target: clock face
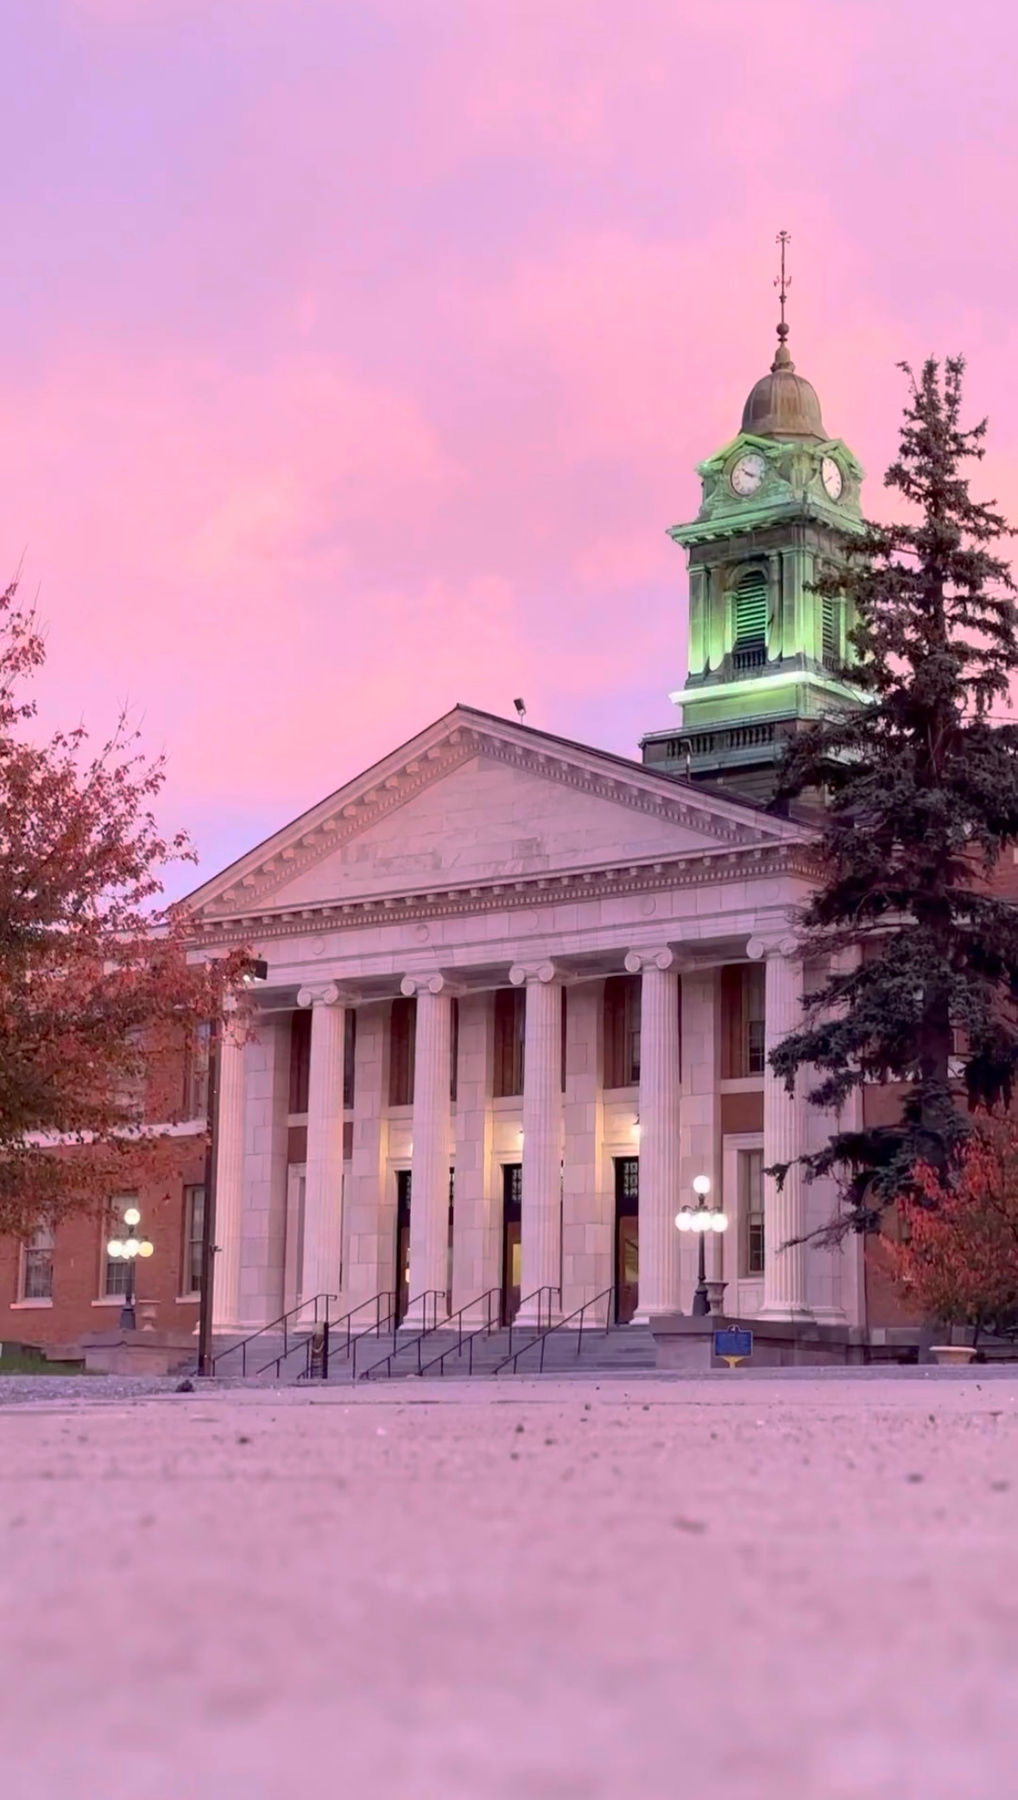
832, 478
748, 473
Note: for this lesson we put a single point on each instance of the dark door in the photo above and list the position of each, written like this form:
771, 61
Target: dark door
512, 1196
627, 1237
401, 1282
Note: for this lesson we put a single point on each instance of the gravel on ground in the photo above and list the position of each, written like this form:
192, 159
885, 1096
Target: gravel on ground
543, 1590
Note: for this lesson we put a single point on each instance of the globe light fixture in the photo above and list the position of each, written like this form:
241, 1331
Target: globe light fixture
128, 1249
701, 1219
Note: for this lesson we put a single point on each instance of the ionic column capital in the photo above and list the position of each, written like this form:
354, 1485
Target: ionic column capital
535, 974
327, 993
783, 945
434, 983
663, 957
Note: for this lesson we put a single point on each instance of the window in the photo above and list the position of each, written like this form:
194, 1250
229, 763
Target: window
300, 1059
194, 1222
742, 1020
622, 1031
402, 1028
627, 1183
132, 1083
751, 1210
37, 1266
564, 1029
349, 1054
751, 620
831, 614
117, 1271
510, 1018
196, 1072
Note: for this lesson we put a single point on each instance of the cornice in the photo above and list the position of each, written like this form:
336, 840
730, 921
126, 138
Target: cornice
518, 894
361, 811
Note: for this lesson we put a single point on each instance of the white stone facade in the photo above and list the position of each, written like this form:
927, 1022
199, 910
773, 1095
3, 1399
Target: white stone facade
485, 856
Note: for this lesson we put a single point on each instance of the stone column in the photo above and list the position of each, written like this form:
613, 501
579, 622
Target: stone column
432, 1149
229, 1179
263, 1237
369, 1204
541, 1213
784, 1292
700, 1128
323, 1192
588, 1199
659, 1130
478, 1208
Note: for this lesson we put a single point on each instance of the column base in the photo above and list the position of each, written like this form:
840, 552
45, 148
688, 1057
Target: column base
646, 1315
788, 1314
529, 1320
417, 1319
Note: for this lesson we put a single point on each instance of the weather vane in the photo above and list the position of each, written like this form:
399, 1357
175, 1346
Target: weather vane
783, 282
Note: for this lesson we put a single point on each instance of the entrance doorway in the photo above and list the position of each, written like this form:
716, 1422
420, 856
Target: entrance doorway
512, 1213
627, 1237
401, 1281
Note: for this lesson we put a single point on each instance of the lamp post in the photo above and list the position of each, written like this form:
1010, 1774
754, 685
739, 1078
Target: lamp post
701, 1218
256, 973
129, 1248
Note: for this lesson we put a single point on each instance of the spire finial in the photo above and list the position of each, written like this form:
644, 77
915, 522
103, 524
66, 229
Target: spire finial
782, 282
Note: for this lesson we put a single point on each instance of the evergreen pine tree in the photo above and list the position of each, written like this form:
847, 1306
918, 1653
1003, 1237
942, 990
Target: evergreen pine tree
921, 797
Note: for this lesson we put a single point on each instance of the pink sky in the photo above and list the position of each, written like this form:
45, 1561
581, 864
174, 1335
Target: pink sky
358, 353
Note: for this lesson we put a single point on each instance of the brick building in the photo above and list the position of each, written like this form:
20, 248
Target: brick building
62, 1283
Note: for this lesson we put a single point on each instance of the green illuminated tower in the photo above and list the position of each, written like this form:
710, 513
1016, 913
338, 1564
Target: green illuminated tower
780, 503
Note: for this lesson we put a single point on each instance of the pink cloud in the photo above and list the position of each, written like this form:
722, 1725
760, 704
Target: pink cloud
357, 358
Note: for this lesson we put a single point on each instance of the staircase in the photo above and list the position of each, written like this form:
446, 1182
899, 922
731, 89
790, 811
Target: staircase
621, 1350
453, 1348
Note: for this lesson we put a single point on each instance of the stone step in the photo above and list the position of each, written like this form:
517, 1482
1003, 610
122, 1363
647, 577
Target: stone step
623, 1347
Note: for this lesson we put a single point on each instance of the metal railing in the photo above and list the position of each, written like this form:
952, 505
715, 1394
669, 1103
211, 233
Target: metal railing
434, 1295
283, 1321
491, 1301
545, 1298
607, 1295
320, 1345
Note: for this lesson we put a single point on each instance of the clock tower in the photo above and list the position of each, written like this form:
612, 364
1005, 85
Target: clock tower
780, 505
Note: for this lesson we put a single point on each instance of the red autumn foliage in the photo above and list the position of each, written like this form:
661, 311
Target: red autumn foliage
94, 978
958, 1255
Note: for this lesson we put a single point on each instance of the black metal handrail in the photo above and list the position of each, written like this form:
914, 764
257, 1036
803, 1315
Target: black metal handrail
607, 1294
432, 1294
330, 1327
274, 1326
489, 1326
552, 1293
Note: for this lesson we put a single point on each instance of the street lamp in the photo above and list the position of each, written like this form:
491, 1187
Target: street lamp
129, 1249
255, 975
701, 1219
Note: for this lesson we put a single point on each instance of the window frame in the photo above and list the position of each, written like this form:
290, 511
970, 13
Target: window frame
190, 1244
31, 1248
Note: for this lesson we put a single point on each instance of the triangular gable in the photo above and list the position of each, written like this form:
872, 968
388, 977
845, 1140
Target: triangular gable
476, 799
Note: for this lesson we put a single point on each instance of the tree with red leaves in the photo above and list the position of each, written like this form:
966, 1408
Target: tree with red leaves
94, 977
957, 1258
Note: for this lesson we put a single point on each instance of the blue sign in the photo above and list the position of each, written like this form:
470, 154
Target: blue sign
733, 1346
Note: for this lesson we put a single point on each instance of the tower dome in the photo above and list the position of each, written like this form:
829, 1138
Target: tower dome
783, 404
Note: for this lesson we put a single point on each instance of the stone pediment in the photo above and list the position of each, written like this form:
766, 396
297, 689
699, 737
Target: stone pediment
476, 800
